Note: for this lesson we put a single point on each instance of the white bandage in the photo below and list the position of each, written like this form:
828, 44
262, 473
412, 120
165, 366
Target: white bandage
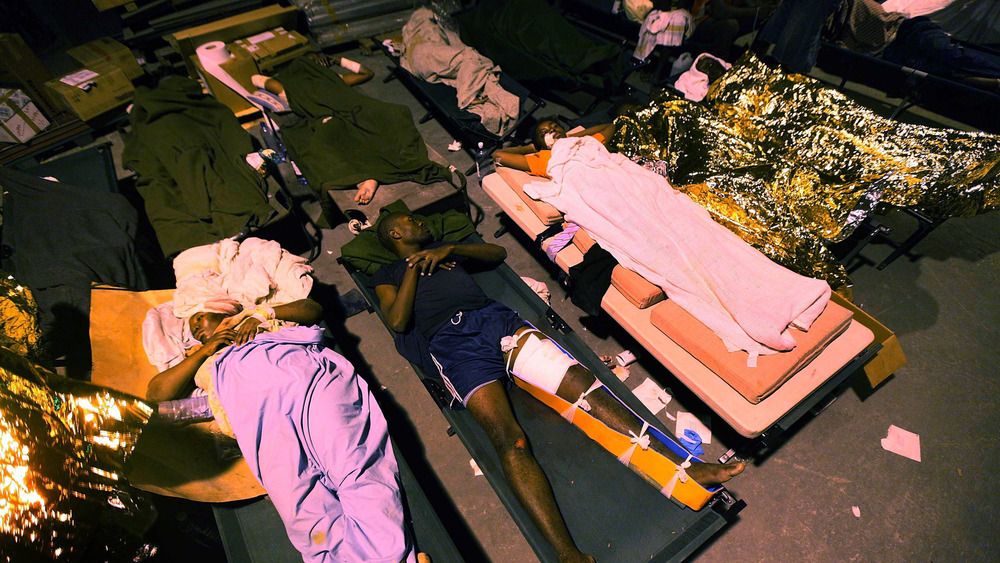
350, 65
541, 362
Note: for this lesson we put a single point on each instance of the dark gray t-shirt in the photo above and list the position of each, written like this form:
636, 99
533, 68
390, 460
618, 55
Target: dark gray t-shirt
439, 296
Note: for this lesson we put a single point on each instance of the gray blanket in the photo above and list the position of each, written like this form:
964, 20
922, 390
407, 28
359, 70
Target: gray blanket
436, 54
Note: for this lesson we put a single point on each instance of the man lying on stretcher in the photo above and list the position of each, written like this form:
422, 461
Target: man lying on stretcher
309, 429
477, 343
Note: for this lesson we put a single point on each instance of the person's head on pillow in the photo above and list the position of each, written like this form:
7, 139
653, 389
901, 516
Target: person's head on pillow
712, 68
400, 228
546, 133
210, 316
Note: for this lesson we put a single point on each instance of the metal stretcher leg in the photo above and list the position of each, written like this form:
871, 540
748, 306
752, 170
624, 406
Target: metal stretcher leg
869, 230
924, 227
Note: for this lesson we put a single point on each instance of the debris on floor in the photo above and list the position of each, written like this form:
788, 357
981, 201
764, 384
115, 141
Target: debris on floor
652, 396
621, 372
475, 468
687, 421
902, 442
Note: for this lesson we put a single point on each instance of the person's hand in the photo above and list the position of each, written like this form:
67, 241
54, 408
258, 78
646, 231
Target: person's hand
219, 340
427, 261
246, 331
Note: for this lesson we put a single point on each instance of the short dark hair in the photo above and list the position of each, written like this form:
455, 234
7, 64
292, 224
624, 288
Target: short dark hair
385, 225
538, 140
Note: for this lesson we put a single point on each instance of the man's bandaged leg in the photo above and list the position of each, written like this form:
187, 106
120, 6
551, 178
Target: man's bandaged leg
539, 361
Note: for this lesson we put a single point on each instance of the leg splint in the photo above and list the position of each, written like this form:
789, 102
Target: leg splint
634, 451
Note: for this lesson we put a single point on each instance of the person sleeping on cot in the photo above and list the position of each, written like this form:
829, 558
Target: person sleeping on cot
534, 158
357, 74
307, 426
478, 343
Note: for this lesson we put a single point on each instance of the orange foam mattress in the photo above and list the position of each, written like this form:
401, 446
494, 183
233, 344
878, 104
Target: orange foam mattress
754, 383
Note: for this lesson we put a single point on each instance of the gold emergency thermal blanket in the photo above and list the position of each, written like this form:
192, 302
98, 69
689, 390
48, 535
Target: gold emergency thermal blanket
63, 445
790, 164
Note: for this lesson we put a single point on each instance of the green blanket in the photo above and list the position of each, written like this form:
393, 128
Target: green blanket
188, 152
531, 40
345, 137
367, 254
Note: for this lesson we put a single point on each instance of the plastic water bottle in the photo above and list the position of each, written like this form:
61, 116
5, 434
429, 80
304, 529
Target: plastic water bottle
185, 410
479, 156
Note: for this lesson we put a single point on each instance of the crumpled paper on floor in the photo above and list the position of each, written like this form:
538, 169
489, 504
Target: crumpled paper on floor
652, 396
902, 442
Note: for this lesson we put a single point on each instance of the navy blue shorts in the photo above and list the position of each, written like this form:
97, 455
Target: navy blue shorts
466, 349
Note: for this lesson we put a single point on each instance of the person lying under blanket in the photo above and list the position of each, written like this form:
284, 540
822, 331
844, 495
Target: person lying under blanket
534, 158
477, 344
341, 138
308, 427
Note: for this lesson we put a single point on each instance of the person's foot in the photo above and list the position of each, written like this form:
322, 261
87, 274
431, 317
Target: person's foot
715, 473
366, 191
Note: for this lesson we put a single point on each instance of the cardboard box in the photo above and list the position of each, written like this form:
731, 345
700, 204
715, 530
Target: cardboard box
107, 89
20, 68
272, 47
228, 29
108, 52
108, 4
20, 119
890, 357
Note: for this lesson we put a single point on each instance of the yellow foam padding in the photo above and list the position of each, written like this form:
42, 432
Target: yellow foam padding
650, 463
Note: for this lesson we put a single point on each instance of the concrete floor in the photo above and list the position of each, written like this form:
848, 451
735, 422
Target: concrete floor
943, 305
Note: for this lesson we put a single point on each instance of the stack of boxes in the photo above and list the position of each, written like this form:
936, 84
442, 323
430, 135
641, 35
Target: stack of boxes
30, 97
24, 102
20, 119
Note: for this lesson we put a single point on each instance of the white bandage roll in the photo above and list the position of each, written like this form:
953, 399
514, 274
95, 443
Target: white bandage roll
213, 54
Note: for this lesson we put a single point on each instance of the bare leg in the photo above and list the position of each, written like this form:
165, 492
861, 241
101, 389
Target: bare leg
491, 409
366, 191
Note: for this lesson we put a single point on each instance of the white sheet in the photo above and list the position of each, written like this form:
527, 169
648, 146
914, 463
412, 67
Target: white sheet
671, 241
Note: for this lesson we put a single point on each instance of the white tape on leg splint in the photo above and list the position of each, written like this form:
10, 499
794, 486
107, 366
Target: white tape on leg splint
642, 440
581, 402
680, 475
540, 361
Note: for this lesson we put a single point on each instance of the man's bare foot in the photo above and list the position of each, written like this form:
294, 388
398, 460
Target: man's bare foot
715, 473
366, 191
